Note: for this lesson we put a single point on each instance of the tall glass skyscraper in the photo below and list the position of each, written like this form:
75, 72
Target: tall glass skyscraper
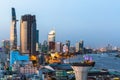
28, 34
13, 32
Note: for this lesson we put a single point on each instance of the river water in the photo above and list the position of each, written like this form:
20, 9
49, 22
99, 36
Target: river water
103, 61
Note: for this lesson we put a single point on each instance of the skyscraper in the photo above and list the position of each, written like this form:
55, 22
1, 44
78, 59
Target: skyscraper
28, 34
13, 32
6, 46
68, 44
5, 43
51, 36
51, 40
58, 46
80, 46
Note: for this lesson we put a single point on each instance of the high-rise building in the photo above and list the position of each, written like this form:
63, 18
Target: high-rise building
37, 41
72, 49
65, 48
44, 47
6, 46
13, 32
79, 46
58, 46
28, 34
51, 36
51, 40
51, 46
68, 44
5, 43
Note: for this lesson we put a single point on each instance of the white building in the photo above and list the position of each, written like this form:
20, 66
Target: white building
51, 36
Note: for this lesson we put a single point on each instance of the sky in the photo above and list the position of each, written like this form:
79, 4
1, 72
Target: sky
97, 22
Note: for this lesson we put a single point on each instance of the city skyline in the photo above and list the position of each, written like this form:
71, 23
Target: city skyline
95, 22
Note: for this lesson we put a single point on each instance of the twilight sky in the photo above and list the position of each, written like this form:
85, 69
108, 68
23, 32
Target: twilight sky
97, 22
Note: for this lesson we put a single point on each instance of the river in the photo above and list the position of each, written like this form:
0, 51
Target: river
103, 61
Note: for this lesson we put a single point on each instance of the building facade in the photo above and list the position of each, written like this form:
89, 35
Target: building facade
28, 34
44, 47
37, 41
6, 46
5, 43
13, 32
51, 46
51, 36
80, 46
51, 40
68, 44
16, 56
58, 47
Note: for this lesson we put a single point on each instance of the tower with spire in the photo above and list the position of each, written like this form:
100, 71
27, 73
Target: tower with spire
13, 32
